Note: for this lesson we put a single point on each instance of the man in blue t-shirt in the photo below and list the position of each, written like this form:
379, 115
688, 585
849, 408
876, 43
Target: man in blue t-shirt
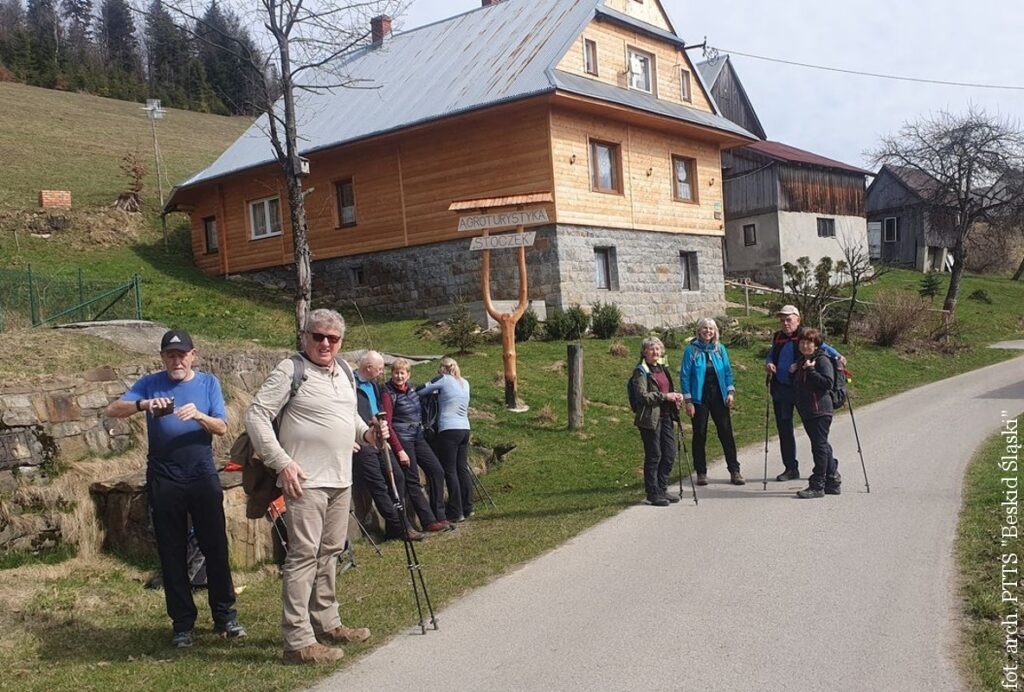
184, 410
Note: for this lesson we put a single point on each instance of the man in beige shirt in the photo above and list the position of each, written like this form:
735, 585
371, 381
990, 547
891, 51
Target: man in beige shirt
312, 455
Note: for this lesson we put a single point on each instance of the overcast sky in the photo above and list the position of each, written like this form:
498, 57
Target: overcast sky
840, 115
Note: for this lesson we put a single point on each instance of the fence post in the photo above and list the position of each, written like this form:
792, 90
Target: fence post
746, 295
32, 306
138, 297
574, 357
81, 296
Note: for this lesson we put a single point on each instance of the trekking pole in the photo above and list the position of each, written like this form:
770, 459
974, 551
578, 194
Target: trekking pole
681, 443
366, 534
415, 569
767, 410
856, 436
481, 490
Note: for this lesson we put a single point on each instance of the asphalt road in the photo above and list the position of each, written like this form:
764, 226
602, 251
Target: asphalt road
749, 590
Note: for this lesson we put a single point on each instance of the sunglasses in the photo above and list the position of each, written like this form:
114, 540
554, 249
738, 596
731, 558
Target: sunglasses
318, 337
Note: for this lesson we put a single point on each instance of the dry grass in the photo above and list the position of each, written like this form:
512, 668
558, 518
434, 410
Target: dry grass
29, 353
546, 415
618, 349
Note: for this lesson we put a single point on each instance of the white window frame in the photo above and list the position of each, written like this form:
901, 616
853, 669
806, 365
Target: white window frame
830, 232
685, 85
590, 65
753, 234
895, 229
264, 204
651, 70
342, 221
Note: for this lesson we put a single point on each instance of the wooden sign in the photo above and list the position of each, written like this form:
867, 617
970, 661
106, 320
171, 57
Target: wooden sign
508, 219
500, 242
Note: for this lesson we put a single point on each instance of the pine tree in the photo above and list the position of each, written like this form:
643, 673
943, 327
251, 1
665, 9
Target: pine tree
79, 63
168, 58
120, 48
15, 46
44, 35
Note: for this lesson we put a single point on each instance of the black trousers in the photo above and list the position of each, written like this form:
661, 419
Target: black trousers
784, 403
659, 456
368, 472
825, 465
719, 412
172, 504
422, 456
452, 449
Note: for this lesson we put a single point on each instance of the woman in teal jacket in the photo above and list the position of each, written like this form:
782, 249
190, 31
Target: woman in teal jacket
705, 378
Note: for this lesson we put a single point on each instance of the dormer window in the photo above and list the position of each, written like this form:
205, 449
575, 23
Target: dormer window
641, 71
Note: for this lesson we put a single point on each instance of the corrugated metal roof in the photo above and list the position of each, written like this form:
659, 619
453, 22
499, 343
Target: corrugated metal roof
633, 23
638, 99
484, 57
784, 152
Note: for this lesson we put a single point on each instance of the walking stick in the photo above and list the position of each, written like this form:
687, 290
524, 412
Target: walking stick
680, 443
481, 490
856, 435
415, 569
767, 409
366, 534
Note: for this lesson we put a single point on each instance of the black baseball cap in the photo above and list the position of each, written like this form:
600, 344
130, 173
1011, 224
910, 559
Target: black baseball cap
176, 340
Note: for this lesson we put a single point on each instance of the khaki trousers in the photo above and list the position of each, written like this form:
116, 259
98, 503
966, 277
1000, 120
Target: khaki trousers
317, 526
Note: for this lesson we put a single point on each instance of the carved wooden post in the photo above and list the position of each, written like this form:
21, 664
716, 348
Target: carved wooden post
507, 320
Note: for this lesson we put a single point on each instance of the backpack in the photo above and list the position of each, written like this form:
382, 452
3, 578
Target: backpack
631, 394
430, 411
258, 481
838, 393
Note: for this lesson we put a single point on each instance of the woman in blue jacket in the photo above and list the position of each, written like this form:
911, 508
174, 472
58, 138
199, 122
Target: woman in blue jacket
705, 378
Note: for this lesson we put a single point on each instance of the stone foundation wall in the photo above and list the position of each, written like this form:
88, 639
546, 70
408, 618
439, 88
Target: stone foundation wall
426, 280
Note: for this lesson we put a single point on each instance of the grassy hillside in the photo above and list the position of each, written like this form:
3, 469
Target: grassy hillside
53, 140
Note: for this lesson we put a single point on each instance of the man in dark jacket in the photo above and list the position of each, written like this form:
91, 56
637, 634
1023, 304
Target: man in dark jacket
781, 356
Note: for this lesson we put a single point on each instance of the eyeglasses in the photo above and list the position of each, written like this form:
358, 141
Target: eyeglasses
318, 337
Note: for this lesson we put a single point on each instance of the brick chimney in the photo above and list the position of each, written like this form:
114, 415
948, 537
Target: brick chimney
380, 27
488, 3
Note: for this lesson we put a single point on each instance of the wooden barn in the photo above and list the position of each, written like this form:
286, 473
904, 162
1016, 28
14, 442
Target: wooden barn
781, 202
902, 229
593, 101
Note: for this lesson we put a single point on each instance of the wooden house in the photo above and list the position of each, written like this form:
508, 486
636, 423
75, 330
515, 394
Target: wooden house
781, 202
901, 229
593, 101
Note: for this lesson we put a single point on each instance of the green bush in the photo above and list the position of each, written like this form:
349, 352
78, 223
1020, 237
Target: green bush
981, 296
461, 331
526, 327
605, 320
930, 285
569, 325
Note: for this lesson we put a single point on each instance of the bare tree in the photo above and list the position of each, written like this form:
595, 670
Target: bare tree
973, 163
859, 269
304, 48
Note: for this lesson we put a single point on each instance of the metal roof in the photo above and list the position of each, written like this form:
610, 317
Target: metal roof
784, 152
481, 58
710, 69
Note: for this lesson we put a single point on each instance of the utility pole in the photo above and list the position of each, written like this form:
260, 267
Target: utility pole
154, 112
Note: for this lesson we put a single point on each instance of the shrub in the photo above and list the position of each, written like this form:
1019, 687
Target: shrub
670, 337
526, 327
981, 296
461, 331
569, 324
618, 349
605, 320
894, 316
930, 285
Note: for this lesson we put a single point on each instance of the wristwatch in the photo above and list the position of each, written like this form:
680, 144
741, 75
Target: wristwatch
138, 404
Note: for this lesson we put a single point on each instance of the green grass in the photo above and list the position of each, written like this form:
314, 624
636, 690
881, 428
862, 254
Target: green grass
979, 554
53, 556
53, 140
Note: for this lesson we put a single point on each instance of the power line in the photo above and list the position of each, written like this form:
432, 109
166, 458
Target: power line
972, 85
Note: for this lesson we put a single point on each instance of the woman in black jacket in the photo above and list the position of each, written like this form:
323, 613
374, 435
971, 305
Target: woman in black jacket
813, 376
657, 405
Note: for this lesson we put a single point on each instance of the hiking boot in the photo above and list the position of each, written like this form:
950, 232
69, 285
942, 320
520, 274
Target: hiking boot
438, 526
736, 478
230, 630
810, 493
702, 479
414, 535
833, 485
182, 640
314, 653
788, 476
658, 501
344, 635
670, 496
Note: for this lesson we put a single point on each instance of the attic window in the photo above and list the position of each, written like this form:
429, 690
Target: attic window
684, 85
641, 71
590, 56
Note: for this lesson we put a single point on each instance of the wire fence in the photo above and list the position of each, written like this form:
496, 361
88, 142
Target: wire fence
30, 299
